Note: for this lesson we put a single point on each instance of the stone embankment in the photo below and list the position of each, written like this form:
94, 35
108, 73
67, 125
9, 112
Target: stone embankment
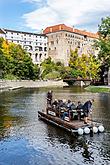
16, 84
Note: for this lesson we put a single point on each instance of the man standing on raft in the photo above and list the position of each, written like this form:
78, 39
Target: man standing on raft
87, 108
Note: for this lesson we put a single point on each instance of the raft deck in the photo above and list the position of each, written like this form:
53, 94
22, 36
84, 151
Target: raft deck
71, 126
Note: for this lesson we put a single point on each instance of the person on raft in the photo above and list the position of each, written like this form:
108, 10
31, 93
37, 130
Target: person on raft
49, 97
87, 109
79, 108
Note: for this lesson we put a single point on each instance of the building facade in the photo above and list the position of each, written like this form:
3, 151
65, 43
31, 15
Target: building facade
62, 39
35, 44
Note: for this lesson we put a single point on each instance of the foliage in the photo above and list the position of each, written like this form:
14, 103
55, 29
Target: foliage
76, 73
84, 66
49, 68
10, 77
46, 67
104, 41
53, 75
14, 60
104, 28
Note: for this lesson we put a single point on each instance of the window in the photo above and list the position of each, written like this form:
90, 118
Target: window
40, 48
45, 49
52, 42
36, 57
40, 55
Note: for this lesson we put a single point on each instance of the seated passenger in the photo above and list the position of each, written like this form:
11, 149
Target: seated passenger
55, 103
55, 107
79, 108
69, 104
65, 114
73, 106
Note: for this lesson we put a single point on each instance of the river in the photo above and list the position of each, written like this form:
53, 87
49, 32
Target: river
26, 140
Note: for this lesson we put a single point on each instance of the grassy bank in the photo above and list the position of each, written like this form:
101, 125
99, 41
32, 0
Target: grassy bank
98, 89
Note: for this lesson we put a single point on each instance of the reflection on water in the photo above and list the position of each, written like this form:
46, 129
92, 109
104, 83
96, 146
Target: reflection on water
24, 139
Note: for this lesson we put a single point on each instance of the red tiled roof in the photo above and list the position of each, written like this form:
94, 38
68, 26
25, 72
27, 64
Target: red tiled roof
61, 27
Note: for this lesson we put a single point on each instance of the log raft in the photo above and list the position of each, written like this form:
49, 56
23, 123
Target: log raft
74, 126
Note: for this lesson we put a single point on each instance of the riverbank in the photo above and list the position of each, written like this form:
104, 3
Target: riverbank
16, 84
99, 89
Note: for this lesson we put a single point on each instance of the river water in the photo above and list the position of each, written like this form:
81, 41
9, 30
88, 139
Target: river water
26, 140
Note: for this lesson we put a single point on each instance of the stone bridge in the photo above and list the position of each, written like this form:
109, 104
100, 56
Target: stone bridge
77, 82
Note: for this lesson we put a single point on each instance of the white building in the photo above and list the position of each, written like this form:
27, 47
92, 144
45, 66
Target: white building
35, 44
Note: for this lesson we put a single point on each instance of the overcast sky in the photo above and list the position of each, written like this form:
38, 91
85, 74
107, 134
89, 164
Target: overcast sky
35, 15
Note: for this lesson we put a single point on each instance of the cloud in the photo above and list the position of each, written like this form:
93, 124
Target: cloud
70, 12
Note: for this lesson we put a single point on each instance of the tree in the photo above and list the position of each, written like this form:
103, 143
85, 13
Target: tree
104, 41
15, 61
84, 66
52, 70
47, 66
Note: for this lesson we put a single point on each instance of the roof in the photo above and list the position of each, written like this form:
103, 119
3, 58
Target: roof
2, 31
15, 31
63, 27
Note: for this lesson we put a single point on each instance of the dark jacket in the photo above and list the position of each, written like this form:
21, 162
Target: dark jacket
87, 106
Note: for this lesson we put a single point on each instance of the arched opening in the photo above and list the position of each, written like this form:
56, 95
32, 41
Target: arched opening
40, 56
36, 57
27, 47
30, 54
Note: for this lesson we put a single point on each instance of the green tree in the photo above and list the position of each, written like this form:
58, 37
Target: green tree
15, 61
47, 66
104, 41
84, 66
52, 70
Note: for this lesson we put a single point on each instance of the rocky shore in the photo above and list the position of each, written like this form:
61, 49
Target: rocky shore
16, 84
